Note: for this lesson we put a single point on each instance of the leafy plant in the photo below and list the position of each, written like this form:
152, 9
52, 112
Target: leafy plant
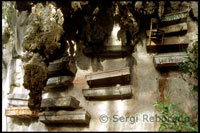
191, 65
43, 32
173, 119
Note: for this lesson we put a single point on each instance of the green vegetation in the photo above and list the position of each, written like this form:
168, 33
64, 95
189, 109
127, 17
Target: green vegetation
191, 65
43, 33
173, 119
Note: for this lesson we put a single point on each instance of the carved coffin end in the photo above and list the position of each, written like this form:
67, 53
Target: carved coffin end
21, 113
169, 59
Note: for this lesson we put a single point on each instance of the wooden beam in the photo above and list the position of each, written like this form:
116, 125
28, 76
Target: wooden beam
108, 51
63, 116
169, 59
108, 92
64, 103
172, 28
61, 81
109, 78
20, 112
18, 96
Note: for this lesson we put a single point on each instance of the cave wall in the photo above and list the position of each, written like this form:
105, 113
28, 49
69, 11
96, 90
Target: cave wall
144, 83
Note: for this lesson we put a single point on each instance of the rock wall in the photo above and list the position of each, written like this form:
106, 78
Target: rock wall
132, 114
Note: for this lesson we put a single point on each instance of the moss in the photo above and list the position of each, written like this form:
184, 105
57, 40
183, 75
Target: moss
35, 78
34, 101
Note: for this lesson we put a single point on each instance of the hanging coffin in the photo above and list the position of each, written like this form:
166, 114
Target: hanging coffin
116, 92
62, 116
170, 59
109, 78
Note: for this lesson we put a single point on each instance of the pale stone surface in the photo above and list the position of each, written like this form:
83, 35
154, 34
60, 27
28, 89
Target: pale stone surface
144, 86
194, 6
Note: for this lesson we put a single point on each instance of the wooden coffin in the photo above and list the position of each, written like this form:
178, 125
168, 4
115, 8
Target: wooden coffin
56, 82
60, 103
18, 102
109, 78
60, 68
177, 28
175, 40
169, 59
121, 92
18, 96
19, 112
63, 116
174, 18
108, 51
18, 99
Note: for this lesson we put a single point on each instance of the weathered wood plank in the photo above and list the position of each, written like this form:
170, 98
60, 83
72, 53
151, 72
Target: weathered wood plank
108, 51
172, 28
18, 96
18, 102
169, 59
174, 40
108, 92
60, 67
20, 113
174, 18
61, 81
64, 103
63, 116
107, 78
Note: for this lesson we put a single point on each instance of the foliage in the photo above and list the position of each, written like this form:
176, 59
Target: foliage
35, 78
44, 31
9, 15
173, 119
191, 65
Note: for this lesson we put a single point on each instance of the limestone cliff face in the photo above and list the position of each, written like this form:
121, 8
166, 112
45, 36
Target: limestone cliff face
46, 32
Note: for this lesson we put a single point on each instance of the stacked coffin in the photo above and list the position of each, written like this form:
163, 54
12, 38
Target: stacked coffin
60, 74
175, 27
61, 109
18, 103
116, 82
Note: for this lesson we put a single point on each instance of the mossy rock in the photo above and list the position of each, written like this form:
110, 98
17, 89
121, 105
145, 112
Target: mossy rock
35, 76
